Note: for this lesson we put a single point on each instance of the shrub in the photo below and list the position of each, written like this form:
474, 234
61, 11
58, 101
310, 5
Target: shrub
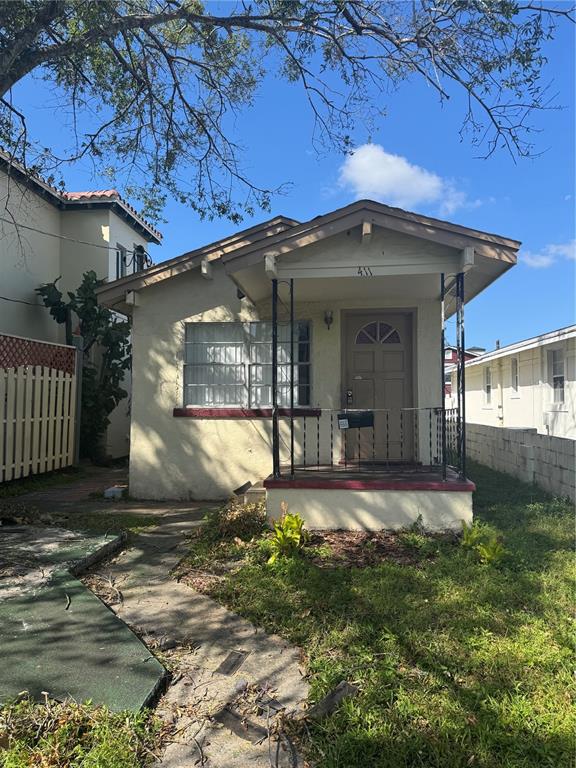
238, 520
289, 537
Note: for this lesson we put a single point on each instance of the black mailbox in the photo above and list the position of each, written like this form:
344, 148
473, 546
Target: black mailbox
355, 419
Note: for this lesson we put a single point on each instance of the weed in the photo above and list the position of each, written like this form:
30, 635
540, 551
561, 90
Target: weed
471, 534
491, 551
289, 535
485, 544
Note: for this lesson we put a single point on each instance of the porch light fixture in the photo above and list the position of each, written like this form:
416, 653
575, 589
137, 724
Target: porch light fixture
328, 318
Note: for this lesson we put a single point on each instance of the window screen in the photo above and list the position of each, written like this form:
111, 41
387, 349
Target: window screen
230, 364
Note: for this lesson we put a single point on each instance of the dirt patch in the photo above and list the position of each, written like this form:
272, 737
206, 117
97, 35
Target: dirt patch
104, 587
361, 549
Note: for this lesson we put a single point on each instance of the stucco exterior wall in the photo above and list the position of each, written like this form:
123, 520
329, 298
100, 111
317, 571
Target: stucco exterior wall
532, 405
373, 510
181, 458
27, 259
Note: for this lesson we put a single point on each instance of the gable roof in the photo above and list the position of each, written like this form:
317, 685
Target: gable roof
104, 198
282, 233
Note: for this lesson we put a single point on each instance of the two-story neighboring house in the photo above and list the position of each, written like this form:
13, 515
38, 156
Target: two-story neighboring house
47, 233
529, 384
450, 360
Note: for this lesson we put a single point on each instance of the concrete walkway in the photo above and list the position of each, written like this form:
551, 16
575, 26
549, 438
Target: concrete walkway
231, 682
92, 480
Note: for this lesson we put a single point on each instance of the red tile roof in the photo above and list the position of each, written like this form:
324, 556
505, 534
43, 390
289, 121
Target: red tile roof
98, 195
107, 193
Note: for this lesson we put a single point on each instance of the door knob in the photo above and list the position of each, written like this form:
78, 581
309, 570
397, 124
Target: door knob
348, 397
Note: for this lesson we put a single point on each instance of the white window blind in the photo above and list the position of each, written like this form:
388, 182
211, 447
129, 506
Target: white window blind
230, 364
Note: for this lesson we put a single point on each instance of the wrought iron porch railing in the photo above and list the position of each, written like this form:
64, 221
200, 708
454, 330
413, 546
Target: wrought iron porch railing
368, 441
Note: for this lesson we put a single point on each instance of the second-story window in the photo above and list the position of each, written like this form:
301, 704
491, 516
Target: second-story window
139, 258
121, 261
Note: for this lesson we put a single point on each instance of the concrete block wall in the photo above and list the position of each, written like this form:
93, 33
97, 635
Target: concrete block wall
550, 462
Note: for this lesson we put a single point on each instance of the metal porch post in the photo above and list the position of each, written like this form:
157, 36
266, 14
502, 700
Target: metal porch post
292, 377
460, 348
463, 377
275, 426
442, 352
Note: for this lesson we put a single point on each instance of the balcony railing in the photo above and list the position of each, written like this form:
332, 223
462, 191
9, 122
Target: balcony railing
368, 441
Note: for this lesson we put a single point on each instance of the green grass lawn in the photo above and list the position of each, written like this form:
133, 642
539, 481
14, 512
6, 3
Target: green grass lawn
458, 663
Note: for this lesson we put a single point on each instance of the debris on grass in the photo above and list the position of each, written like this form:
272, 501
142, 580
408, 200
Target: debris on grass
329, 703
55, 734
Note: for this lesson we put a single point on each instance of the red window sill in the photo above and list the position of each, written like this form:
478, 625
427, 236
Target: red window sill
240, 413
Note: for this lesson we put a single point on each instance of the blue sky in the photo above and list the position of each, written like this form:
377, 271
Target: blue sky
415, 159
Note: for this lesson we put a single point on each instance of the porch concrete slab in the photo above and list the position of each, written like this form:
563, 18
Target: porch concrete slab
55, 635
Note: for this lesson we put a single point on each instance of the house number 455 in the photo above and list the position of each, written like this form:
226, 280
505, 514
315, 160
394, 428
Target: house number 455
365, 272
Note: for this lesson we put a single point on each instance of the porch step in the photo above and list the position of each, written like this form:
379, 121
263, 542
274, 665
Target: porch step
255, 494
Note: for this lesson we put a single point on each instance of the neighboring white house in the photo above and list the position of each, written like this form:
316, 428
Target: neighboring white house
46, 233
530, 384
361, 445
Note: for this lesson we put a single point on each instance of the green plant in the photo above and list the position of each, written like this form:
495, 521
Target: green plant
471, 534
105, 355
418, 542
486, 545
491, 551
289, 535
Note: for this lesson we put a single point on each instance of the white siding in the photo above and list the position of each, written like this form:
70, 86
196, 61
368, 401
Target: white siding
532, 405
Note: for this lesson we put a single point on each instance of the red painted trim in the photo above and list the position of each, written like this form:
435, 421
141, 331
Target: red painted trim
241, 413
372, 485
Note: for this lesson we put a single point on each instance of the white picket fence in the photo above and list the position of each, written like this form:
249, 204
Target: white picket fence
37, 407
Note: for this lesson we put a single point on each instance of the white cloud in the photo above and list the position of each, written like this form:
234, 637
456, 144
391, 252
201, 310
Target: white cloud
374, 173
549, 254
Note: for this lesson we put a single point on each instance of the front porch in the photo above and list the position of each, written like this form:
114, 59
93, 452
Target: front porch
372, 497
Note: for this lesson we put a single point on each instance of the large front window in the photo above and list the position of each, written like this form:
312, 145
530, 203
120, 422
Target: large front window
230, 364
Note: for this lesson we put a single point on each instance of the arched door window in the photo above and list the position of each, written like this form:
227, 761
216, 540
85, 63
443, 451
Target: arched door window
377, 333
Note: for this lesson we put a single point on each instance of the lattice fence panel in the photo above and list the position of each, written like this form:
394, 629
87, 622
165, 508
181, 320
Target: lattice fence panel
16, 351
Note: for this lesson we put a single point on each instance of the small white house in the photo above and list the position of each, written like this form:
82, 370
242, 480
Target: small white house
308, 360
47, 233
527, 385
